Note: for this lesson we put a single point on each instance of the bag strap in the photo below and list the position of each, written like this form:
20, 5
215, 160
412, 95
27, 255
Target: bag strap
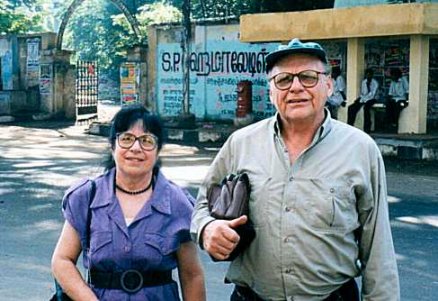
92, 194
59, 294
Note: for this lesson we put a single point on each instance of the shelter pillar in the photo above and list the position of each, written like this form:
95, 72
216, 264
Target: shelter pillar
413, 119
355, 69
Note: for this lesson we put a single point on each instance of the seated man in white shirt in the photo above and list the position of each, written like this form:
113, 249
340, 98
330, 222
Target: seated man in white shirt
367, 99
397, 97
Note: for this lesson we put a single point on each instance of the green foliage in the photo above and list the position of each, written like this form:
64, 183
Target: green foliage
16, 17
155, 13
92, 34
98, 31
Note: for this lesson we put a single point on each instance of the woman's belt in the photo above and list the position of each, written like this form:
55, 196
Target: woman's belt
131, 281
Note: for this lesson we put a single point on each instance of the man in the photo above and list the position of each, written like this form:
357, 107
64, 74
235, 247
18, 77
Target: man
398, 95
338, 96
367, 99
318, 196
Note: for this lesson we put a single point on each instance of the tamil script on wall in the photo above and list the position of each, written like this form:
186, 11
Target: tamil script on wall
215, 69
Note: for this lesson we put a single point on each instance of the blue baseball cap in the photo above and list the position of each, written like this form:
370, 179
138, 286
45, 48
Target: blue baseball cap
295, 46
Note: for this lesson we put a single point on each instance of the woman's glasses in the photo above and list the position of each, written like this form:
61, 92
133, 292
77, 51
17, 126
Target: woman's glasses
147, 142
307, 78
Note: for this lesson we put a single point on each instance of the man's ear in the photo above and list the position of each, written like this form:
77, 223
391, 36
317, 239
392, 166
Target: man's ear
330, 85
270, 96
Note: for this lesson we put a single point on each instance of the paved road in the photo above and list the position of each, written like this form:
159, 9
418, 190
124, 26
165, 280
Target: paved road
38, 161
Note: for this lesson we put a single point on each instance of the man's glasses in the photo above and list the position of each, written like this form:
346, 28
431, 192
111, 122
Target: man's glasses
307, 78
147, 142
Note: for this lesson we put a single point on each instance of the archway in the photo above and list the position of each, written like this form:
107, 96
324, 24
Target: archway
119, 4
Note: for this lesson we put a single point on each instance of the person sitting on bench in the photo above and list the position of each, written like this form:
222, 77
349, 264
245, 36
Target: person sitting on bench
367, 99
397, 97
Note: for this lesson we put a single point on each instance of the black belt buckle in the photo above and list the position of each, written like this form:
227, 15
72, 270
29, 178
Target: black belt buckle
131, 281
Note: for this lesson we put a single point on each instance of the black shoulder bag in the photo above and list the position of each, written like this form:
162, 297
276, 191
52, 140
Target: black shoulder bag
230, 200
60, 295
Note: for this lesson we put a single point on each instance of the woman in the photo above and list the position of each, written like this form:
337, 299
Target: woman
138, 226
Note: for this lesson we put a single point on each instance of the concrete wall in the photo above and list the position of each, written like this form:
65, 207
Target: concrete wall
218, 61
34, 77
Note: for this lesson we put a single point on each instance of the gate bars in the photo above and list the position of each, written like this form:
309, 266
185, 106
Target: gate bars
87, 90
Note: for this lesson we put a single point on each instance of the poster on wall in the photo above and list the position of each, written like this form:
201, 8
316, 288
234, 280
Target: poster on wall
46, 79
6, 63
129, 83
216, 67
33, 62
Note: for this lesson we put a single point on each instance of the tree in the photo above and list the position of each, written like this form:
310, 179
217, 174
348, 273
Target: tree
16, 17
155, 13
92, 34
98, 31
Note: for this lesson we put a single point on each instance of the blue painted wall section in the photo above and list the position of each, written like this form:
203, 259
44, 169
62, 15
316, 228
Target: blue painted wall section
215, 69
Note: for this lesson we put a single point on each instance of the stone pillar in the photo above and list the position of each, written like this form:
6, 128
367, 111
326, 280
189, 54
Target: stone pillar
64, 85
152, 101
355, 69
56, 87
138, 54
46, 85
413, 119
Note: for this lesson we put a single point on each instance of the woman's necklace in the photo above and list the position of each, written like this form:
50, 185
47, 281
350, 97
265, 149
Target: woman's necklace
135, 192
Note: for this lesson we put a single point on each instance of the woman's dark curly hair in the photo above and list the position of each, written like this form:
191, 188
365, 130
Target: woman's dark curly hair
126, 118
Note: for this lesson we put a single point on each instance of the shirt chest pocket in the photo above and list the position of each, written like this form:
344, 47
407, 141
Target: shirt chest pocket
101, 247
331, 204
158, 249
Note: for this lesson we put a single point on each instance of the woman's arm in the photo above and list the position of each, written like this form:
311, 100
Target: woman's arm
64, 269
191, 274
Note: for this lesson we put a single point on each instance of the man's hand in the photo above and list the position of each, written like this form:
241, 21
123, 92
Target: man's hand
219, 238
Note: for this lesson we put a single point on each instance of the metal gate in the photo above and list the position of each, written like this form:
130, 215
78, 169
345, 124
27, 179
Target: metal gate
87, 88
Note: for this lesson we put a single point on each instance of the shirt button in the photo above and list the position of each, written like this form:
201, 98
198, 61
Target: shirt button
288, 271
287, 209
127, 248
286, 239
291, 179
332, 190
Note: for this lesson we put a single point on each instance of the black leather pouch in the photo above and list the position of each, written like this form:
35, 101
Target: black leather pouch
230, 200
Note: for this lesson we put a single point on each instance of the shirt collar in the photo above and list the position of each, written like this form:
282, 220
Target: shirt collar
160, 199
105, 189
320, 134
162, 194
